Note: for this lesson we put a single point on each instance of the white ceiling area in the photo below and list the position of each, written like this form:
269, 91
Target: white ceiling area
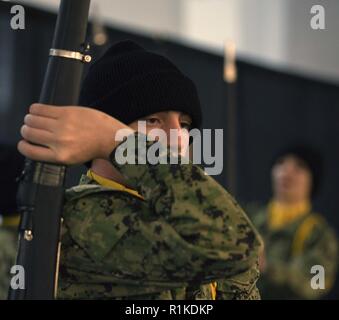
271, 32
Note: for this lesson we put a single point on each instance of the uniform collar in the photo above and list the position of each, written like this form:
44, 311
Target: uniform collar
111, 184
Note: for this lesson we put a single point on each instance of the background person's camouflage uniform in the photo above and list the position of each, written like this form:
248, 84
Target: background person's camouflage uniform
11, 162
187, 234
290, 253
8, 240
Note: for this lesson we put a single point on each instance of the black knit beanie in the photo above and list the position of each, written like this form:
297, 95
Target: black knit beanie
129, 82
310, 157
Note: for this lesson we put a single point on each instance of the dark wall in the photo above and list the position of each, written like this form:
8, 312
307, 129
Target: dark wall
274, 108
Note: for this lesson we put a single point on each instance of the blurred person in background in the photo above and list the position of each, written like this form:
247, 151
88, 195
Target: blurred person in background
11, 163
296, 238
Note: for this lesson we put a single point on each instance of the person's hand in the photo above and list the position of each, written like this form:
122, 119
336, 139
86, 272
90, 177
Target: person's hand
68, 135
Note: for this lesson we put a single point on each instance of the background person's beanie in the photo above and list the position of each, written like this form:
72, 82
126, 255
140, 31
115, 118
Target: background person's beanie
129, 82
310, 157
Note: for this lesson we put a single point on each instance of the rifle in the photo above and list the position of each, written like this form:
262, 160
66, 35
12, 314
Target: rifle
41, 186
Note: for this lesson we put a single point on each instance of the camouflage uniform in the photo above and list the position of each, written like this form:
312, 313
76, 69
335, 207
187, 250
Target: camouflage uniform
8, 248
290, 253
186, 234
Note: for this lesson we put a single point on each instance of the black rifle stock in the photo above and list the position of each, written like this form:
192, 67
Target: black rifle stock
41, 186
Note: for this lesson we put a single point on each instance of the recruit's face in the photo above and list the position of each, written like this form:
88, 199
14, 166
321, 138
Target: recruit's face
167, 121
291, 179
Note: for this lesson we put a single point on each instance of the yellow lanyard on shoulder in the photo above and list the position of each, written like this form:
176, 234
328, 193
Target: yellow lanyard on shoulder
10, 221
214, 290
280, 215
